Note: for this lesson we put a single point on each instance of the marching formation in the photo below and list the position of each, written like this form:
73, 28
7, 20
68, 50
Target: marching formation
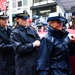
23, 52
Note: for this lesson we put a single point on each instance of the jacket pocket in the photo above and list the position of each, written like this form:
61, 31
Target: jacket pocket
2, 65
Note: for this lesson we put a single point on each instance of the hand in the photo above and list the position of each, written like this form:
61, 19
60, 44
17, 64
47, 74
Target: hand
36, 43
72, 39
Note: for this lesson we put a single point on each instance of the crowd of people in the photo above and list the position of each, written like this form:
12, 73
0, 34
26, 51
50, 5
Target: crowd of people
23, 52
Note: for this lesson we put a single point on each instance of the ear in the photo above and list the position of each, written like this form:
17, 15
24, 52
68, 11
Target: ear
50, 22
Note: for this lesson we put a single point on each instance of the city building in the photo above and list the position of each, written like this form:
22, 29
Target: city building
14, 5
34, 7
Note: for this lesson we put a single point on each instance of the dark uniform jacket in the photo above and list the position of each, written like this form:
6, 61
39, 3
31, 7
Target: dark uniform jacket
7, 58
26, 55
54, 53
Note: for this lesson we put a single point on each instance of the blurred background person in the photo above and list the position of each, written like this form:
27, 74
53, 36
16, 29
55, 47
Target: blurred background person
36, 22
29, 22
44, 24
33, 24
7, 56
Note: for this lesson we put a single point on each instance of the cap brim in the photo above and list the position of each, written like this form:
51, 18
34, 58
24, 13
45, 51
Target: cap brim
5, 17
62, 19
23, 17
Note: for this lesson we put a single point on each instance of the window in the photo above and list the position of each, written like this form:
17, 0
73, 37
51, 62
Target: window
43, 0
7, 5
36, 1
14, 3
19, 3
25, 2
53, 8
13, 0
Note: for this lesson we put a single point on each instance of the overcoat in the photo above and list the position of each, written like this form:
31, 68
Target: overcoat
26, 55
54, 53
7, 57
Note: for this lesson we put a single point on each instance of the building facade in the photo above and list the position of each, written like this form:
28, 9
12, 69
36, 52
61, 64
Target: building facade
34, 7
14, 5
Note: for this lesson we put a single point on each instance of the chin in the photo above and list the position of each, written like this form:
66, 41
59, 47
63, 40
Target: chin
59, 28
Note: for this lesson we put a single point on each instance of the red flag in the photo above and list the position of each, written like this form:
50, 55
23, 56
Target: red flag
3, 5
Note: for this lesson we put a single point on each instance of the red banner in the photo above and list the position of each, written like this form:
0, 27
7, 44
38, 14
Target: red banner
3, 5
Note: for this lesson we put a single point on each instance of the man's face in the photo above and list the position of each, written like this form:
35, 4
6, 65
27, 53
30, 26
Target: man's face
56, 25
3, 22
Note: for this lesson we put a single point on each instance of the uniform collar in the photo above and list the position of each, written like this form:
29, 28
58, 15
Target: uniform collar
1, 28
57, 32
22, 27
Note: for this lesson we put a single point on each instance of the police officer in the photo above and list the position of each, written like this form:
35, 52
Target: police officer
25, 42
55, 49
7, 57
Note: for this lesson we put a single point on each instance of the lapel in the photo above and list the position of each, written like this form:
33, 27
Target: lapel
9, 30
28, 30
28, 33
4, 34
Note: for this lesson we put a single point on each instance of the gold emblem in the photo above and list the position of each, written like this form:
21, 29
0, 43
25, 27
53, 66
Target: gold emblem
25, 12
4, 14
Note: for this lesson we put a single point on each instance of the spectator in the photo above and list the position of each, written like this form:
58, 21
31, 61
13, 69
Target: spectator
29, 22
